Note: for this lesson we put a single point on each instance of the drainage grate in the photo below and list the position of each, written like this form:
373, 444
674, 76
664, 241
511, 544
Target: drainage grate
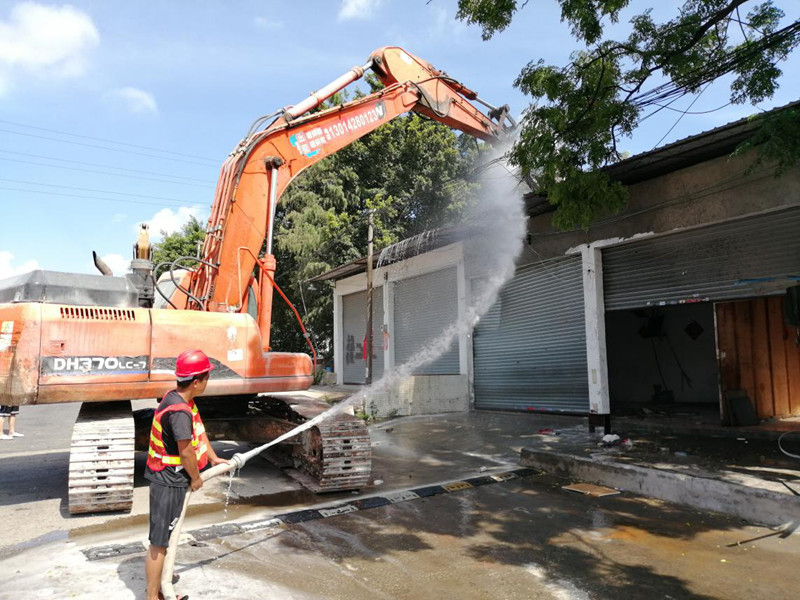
97, 314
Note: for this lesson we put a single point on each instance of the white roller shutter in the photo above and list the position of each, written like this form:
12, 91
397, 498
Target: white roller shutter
423, 306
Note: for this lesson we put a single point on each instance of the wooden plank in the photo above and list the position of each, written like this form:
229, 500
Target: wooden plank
777, 350
744, 347
792, 367
761, 362
726, 350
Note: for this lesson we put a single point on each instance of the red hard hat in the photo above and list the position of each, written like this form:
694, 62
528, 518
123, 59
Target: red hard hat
191, 363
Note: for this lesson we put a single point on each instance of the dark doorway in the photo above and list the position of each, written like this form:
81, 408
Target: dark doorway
662, 358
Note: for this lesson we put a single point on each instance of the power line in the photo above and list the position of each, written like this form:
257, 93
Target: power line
52, 139
91, 164
79, 189
65, 195
77, 169
96, 139
683, 114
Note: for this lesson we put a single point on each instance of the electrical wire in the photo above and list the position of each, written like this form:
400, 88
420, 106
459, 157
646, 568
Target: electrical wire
80, 189
67, 195
44, 137
79, 170
107, 141
683, 114
102, 166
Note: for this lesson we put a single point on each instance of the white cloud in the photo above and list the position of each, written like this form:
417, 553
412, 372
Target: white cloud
118, 217
358, 9
117, 263
7, 268
268, 24
132, 99
44, 41
167, 221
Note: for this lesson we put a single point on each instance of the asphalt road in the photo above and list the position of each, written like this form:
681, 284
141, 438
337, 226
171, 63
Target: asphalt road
518, 539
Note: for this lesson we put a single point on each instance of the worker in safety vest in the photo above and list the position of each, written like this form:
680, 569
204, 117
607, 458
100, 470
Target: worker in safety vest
179, 449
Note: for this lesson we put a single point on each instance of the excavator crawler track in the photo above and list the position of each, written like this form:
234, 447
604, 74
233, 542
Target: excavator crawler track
333, 456
101, 461
337, 455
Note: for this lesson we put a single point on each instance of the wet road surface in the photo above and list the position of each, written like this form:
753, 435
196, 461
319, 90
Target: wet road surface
518, 539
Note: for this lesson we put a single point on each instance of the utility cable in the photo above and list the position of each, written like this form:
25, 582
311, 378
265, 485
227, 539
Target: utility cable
80, 189
170, 157
102, 166
683, 114
107, 141
95, 171
67, 195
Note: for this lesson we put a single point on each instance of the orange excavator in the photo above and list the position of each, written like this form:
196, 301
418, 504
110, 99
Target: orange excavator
105, 340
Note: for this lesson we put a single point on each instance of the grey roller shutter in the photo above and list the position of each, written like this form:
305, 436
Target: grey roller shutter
530, 347
725, 261
423, 306
354, 327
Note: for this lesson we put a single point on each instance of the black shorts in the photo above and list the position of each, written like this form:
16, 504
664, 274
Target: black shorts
166, 504
7, 410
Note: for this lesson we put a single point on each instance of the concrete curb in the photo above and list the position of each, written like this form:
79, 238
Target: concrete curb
751, 504
310, 514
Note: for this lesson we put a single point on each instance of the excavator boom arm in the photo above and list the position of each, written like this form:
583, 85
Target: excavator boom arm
259, 170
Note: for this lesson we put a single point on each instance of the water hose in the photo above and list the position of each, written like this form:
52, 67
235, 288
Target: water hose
783, 435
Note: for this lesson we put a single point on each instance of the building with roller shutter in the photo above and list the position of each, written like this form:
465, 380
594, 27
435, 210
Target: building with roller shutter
676, 301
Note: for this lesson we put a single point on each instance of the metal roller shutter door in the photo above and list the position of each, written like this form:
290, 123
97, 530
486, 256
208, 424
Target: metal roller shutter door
718, 262
354, 327
530, 348
423, 306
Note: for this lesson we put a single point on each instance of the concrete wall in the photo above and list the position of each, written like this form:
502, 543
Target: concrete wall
421, 395
711, 192
632, 367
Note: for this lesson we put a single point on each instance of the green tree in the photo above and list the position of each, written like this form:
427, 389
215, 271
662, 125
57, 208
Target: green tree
183, 242
413, 173
580, 111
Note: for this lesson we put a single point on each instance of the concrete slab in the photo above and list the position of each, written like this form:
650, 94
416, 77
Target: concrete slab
748, 478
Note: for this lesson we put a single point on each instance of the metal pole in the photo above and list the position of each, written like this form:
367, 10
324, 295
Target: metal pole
368, 339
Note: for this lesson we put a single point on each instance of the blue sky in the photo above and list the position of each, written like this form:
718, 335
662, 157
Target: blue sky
116, 112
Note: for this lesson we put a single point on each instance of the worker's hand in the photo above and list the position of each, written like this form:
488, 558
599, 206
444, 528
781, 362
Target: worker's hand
216, 460
196, 484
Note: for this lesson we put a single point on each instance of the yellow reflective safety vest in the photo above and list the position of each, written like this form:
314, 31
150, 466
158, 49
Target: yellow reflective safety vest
157, 458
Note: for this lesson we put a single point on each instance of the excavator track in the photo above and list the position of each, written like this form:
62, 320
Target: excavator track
337, 455
333, 456
101, 461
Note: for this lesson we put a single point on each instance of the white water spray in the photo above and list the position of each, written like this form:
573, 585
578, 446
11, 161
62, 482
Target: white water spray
500, 217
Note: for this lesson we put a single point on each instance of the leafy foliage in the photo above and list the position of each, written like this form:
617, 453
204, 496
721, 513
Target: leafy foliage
581, 111
412, 172
183, 242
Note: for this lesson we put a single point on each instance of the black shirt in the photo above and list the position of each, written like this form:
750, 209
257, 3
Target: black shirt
176, 425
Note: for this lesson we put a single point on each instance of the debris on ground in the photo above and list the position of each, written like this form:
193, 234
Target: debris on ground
610, 439
590, 489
